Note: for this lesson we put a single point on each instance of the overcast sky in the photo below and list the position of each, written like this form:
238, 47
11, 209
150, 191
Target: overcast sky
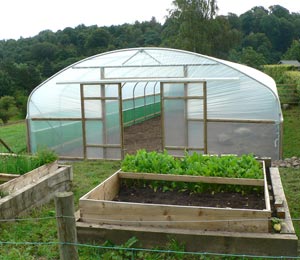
26, 18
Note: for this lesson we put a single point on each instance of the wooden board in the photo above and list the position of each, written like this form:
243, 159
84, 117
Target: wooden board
282, 205
171, 216
194, 240
4, 177
106, 190
34, 194
28, 178
278, 192
187, 178
266, 189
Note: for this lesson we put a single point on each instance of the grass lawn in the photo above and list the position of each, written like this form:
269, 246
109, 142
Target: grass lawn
291, 183
291, 132
14, 136
88, 174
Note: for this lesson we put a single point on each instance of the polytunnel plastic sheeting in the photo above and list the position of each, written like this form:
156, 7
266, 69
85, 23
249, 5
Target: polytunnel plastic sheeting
234, 93
145, 57
139, 89
56, 101
242, 138
65, 137
166, 63
241, 100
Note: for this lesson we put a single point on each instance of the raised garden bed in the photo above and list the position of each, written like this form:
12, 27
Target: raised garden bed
103, 215
100, 202
20, 193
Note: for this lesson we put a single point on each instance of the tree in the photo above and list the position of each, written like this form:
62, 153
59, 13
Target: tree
286, 34
192, 18
27, 77
279, 30
152, 38
45, 50
8, 108
21, 102
280, 11
222, 37
251, 20
234, 21
6, 83
293, 53
99, 38
252, 58
261, 44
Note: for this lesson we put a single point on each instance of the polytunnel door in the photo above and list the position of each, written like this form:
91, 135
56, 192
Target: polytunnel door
141, 104
101, 122
184, 117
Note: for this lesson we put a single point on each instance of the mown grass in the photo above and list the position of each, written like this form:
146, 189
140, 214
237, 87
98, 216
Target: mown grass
291, 132
88, 174
291, 184
14, 136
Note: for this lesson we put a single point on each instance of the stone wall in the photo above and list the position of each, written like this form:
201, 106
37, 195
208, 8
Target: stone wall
293, 162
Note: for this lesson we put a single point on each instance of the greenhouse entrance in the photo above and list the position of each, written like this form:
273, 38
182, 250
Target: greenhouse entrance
101, 120
141, 114
155, 117
184, 113
171, 116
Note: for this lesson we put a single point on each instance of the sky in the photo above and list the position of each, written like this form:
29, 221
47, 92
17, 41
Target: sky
26, 18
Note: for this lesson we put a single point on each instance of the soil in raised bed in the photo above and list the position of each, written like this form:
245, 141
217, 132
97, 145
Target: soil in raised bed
204, 199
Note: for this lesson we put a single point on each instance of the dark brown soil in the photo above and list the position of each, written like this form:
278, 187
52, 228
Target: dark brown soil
146, 135
219, 200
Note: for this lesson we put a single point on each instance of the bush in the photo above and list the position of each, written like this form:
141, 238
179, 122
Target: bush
8, 108
287, 80
277, 72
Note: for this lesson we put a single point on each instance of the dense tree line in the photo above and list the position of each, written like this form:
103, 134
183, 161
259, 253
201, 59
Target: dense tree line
257, 37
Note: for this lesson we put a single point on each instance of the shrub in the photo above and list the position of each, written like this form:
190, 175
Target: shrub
288, 82
8, 108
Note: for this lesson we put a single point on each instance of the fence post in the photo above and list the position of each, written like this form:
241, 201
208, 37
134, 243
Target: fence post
66, 225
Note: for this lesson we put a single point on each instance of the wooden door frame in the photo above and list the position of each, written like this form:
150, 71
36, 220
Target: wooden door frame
185, 98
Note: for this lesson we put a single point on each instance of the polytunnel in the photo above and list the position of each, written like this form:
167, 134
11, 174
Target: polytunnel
114, 103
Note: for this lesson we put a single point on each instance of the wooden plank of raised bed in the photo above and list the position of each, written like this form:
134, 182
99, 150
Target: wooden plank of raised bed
188, 178
277, 187
36, 193
106, 190
171, 216
287, 227
242, 243
4, 177
28, 178
266, 189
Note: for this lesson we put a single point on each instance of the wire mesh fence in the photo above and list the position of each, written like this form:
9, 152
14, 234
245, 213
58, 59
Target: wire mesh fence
129, 250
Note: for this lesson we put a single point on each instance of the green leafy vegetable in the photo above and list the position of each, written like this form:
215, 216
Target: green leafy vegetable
245, 166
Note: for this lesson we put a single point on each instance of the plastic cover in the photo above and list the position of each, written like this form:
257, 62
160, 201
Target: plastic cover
234, 92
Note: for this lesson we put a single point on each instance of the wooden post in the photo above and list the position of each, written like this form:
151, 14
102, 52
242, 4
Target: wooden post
66, 225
